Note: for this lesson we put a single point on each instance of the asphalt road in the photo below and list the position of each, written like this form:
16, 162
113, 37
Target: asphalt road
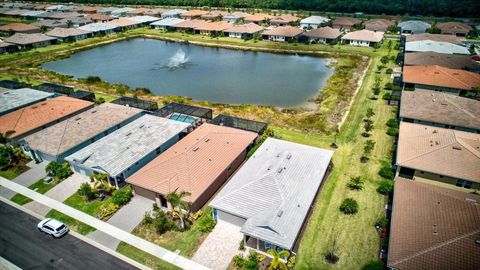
23, 245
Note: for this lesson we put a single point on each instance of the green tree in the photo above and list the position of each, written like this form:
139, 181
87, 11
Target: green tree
355, 183
370, 113
367, 150
277, 262
349, 206
86, 191
179, 205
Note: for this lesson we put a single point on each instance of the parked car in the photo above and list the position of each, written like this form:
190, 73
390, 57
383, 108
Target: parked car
52, 227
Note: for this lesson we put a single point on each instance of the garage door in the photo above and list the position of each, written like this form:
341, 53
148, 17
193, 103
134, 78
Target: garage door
144, 193
232, 219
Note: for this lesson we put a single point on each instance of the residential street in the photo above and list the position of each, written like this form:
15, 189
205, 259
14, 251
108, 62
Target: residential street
22, 244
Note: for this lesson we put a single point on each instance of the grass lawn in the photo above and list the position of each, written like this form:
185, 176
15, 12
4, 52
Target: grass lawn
78, 202
143, 257
12, 173
38, 186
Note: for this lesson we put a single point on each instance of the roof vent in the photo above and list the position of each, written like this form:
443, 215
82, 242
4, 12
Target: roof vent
434, 227
128, 134
470, 201
141, 126
289, 156
280, 213
269, 168
280, 170
435, 131
456, 148
207, 139
194, 149
477, 242
436, 72
94, 111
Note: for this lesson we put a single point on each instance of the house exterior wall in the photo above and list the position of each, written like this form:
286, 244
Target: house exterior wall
139, 191
235, 35
437, 88
446, 181
434, 124
358, 43
309, 25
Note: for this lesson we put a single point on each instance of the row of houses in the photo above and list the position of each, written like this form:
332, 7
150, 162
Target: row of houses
176, 148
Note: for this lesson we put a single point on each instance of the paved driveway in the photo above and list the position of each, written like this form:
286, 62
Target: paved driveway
127, 218
60, 192
27, 178
220, 246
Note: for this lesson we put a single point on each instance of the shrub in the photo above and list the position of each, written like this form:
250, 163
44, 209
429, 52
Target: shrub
147, 218
349, 206
355, 183
382, 222
373, 265
4, 157
393, 123
86, 191
392, 131
250, 262
385, 187
389, 71
386, 172
291, 262
92, 79
122, 196
386, 96
161, 222
99, 100
107, 210
59, 170
206, 223
389, 86
241, 246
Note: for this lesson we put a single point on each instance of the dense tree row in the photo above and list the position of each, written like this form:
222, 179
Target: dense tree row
452, 8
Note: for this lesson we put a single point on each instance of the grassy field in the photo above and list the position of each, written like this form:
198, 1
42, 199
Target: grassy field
38, 186
144, 258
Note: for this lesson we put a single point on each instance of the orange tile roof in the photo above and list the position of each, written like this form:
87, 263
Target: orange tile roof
249, 28
214, 26
285, 18
441, 76
40, 114
258, 17
191, 24
123, 22
214, 14
18, 27
346, 21
193, 163
99, 17
193, 13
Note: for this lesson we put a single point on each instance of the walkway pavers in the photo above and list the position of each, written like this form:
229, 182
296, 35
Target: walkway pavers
127, 218
220, 246
27, 178
60, 192
111, 230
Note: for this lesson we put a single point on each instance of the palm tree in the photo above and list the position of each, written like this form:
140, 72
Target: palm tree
178, 204
276, 262
5, 137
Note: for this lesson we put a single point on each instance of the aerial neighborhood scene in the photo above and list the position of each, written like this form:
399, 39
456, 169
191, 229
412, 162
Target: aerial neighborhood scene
240, 135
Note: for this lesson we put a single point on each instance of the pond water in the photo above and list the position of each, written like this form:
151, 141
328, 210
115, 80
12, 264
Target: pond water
202, 73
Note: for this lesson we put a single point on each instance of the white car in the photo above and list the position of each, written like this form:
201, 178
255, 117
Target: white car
52, 227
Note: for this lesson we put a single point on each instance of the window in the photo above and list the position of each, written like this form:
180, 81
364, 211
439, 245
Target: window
460, 183
441, 176
464, 183
229, 168
468, 184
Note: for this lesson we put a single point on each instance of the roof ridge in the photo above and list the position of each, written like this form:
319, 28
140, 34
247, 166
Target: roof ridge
442, 244
447, 98
246, 185
63, 135
428, 152
442, 69
468, 147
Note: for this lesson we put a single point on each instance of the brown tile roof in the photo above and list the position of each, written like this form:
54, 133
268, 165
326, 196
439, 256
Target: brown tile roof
441, 76
79, 128
378, 24
324, 32
454, 61
284, 18
433, 228
193, 13
93, 9
40, 114
439, 107
439, 150
214, 14
190, 24
99, 17
25, 39
435, 37
214, 26
123, 22
258, 17
286, 31
155, 11
66, 32
346, 21
139, 11
193, 163
248, 28
365, 35
454, 27
18, 27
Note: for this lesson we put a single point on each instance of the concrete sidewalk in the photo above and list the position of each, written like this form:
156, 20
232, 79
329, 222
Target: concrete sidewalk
113, 231
127, 218
26, 179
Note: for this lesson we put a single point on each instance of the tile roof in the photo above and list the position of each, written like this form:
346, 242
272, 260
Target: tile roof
454, 27
324, 32
439, 107
168, 22
248, 28
25, 39
123, 22
173, 12
414, 26
139, 11
214, 14
190, 24
454, 61
378, 24
32, 13
50, 23
364, 35
40, 114
66, 32
435, 46
144, 19
286, 31
99, 17
12, 99
193, 13
119, 150
214, 26
441, 77
284, 18
346, 21
315, 20
59, 15
18, 27
193, 163
79, 128
258, 17
274, 190
441, 151
433, 228
434, 37
97, 27
155, 11
236, 15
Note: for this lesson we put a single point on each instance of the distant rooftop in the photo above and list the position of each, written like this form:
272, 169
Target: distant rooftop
12, 99
435, 46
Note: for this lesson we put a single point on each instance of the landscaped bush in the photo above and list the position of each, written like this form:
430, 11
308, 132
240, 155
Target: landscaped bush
382, 222
86, 191
355, 183
122, 196
385, 187
388, 86
246, 263
59, 170
106, 210
161, 222
349, 206
4, 158
389, 71
373, 265
393, 123
147, 218
92, 79
392, 132
387, 172
206, 223
291, 262
386, 96
241, 245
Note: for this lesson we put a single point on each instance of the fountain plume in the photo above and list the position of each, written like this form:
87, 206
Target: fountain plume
178, 60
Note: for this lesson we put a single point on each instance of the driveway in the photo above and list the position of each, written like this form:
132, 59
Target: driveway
220, 246
60, 192
27, 178
127, 218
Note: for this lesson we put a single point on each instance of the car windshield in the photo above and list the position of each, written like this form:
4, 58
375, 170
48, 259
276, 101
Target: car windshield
61, 228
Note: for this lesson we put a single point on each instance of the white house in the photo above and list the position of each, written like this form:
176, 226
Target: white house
313, 22
364, 38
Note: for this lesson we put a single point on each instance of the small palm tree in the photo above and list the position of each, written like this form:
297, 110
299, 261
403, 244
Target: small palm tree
178, 204
276, 262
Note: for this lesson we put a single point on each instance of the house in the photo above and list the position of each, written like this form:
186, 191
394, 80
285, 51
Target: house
214, 15
244, 31
12, 100
378, 25
258, 18
78, 131
119, 12
55, 8
434, 37
284, 20
193, 14
440, 110
32, 14
76, 21
200, 164
15, 12
433, 228
346, 24
189, 25
123, 24
282, 33
99, 17
235, 17
173, 13
454, 61
213, 28
167, 23
438, 156
144, 19
435, 46
157, 12
454, 28
50, 24
324, 35
364, 38
29, 41
139, 11
91, 9
59, 15
68, 34
313, 22
30, 119
121, 153
271, 195
54, 88
106, 10
6, 47
19, 28
414, 27
452, 81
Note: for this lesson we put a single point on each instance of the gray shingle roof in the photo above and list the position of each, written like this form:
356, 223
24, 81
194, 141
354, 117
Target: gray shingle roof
12, 99
414, 26
274, 190
121, 149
